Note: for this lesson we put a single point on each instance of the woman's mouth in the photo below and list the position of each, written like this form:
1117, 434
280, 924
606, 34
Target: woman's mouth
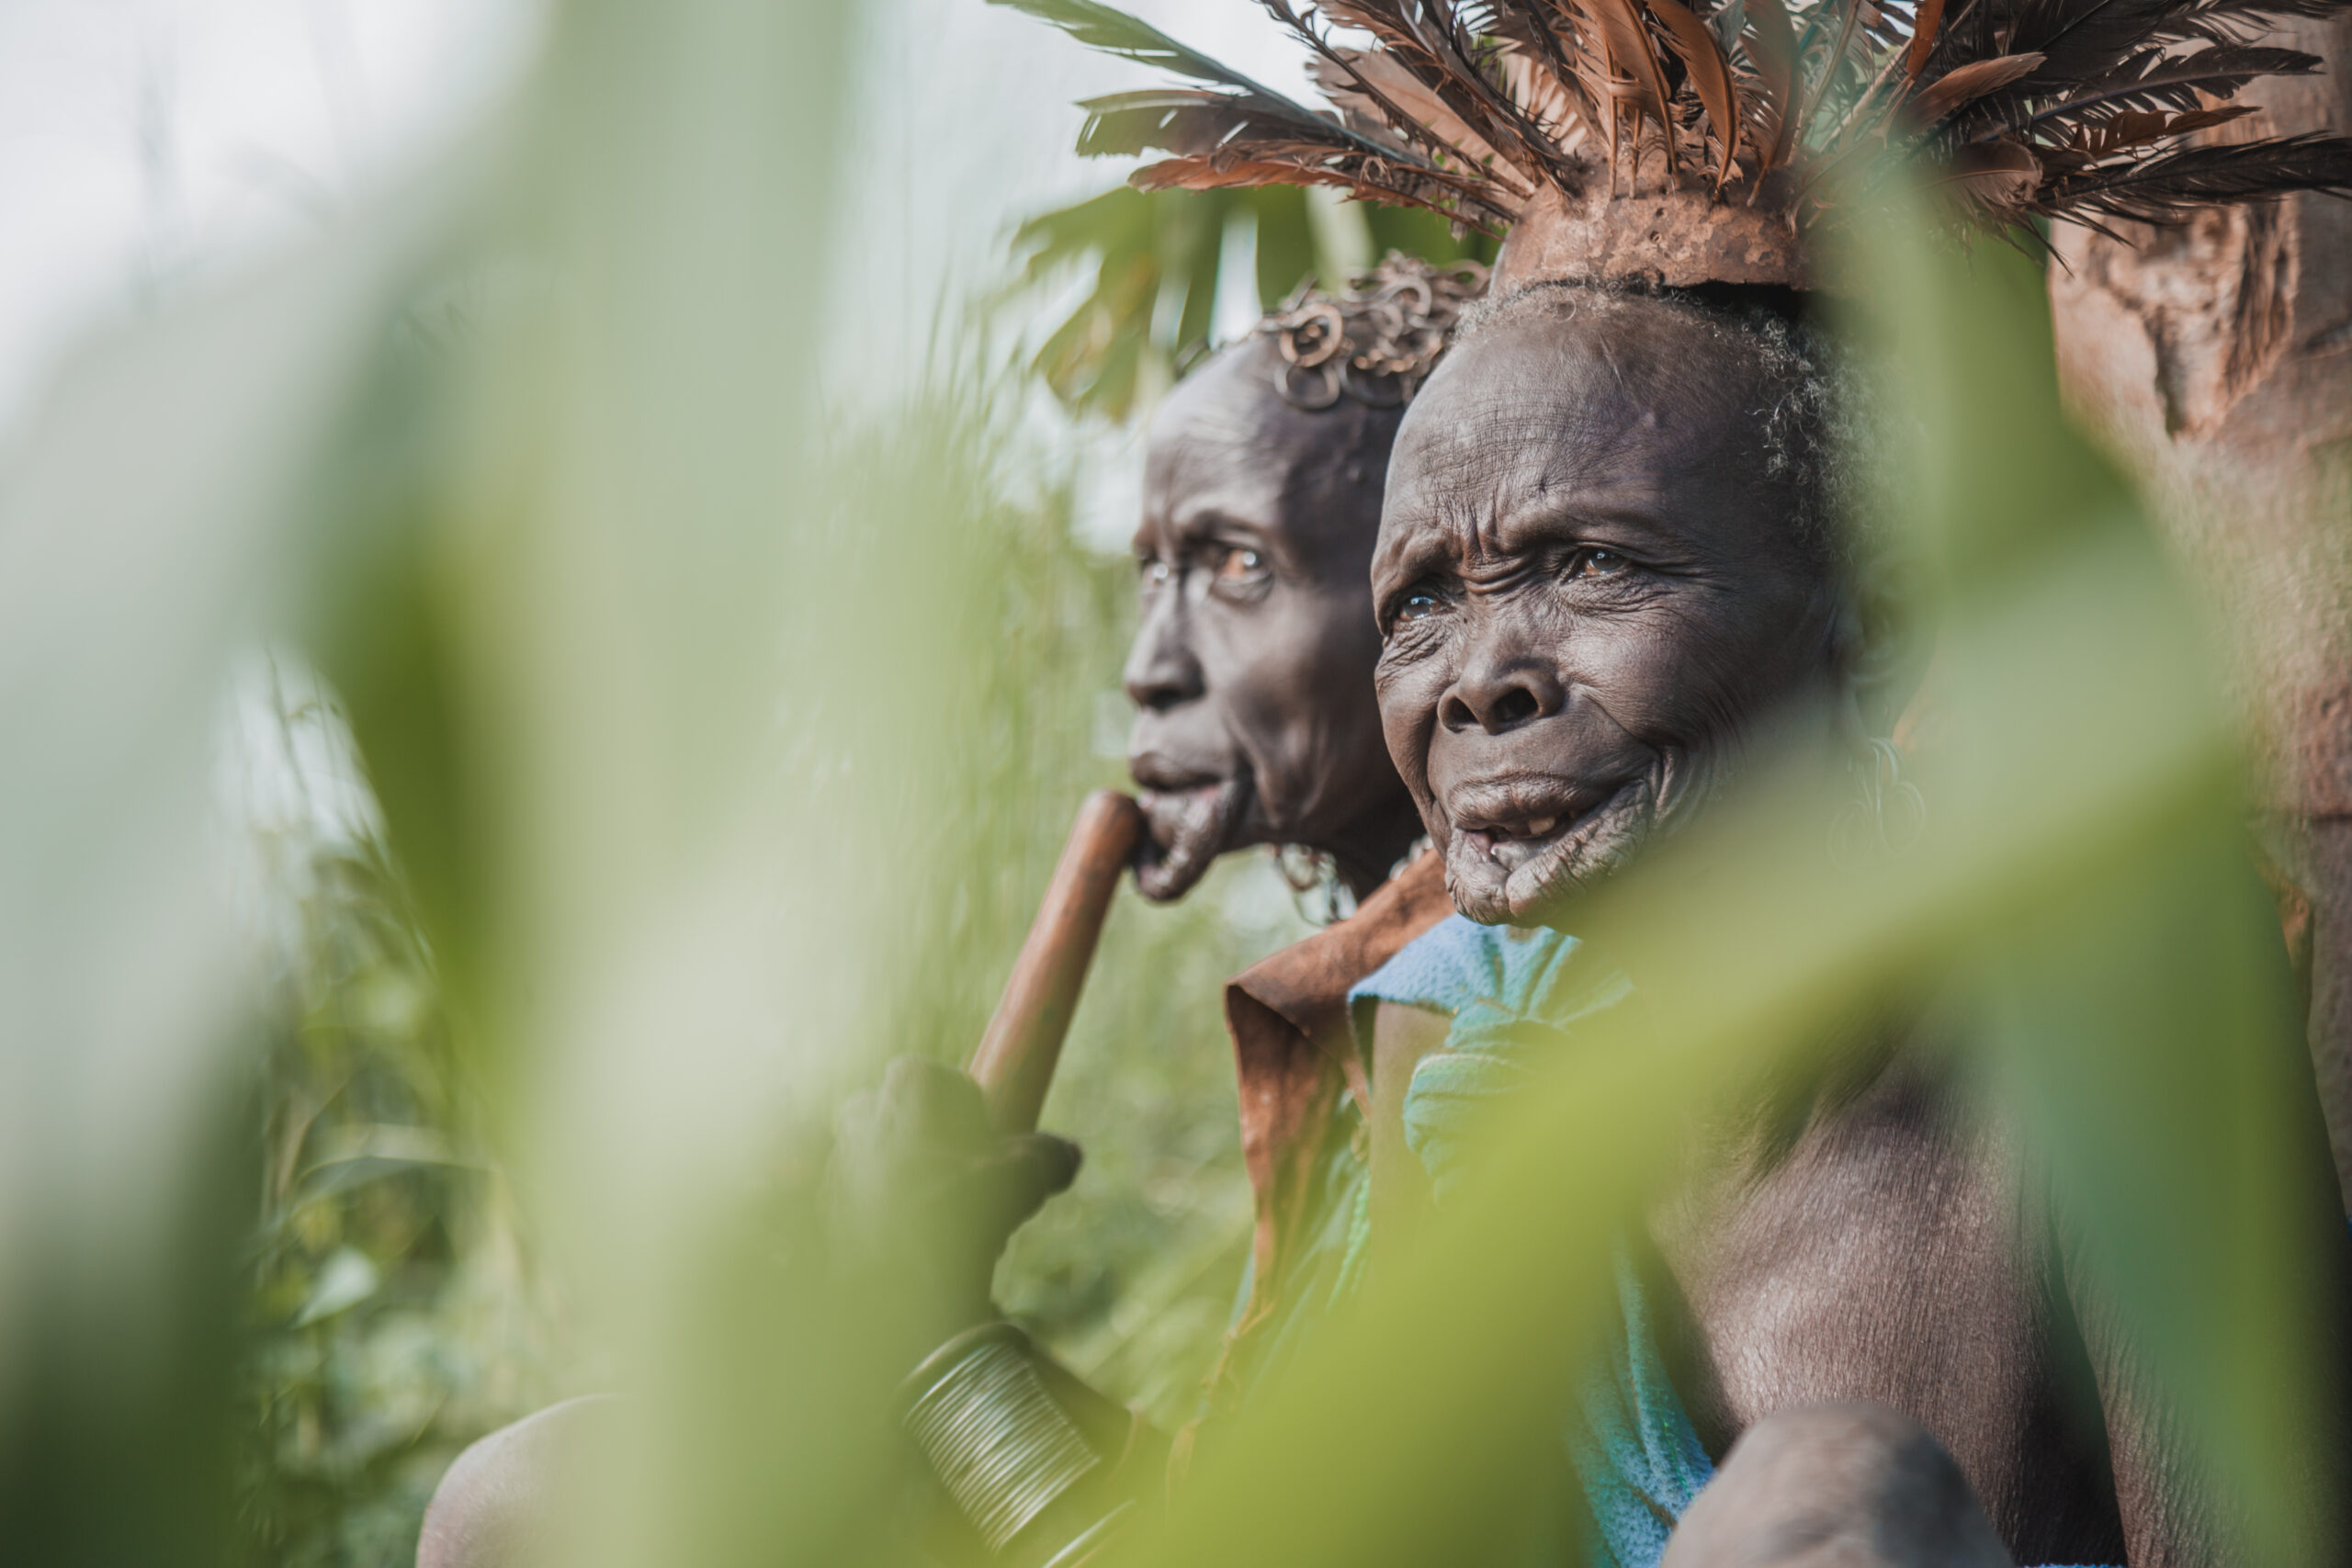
1518, 850
1513, 845
1515, 831
1191, 826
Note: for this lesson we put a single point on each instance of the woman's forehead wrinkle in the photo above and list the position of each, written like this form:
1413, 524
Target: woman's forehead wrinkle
1416, 538
1545, 473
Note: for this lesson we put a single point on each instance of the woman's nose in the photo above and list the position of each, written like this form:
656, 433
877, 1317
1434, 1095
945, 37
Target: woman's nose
1499, 695
1161, 671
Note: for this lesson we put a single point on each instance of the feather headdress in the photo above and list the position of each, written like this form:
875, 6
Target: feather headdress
1704, 141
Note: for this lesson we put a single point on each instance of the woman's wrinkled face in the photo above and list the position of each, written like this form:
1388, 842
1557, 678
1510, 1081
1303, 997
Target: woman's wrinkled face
1251, 672
1587, 587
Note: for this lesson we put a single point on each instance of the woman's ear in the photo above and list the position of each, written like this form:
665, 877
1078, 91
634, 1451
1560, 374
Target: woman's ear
1888, 642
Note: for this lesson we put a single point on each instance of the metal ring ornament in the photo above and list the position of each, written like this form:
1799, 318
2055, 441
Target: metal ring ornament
1002, 1448
1376, 345
1325, 378
1313, 334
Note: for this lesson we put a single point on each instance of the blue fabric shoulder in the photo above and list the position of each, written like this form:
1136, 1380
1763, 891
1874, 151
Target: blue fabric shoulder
1485, 977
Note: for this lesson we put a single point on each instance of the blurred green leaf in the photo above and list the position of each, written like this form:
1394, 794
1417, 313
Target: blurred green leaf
348, 1278
1157, 258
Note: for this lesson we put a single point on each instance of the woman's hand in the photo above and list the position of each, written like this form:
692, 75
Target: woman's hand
924, 1193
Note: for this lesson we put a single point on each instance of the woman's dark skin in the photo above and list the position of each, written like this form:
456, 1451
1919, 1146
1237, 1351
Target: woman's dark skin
1589, 591
1251, 671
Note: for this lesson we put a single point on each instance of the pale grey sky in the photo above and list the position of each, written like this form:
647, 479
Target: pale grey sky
143, 141
968, 121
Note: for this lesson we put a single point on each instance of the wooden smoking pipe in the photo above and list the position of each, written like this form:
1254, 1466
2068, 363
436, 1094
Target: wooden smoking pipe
1015, 1064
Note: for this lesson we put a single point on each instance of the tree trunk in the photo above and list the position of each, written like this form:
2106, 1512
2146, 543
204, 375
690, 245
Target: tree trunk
2217, 359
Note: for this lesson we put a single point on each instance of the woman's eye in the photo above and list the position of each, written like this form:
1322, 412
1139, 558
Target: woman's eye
1156, 573
1597, 563
1416, 605
1239, 563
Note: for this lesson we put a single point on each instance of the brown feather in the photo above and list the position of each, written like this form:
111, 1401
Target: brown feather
2159, 78
1404, 90
1365, 184
1634, 63
1559, 106
1462, 107
1430, 40
1774, 50
1709, 76
2137, 127
2169, 188
1964, 84
2238, 21
2000, 177
1835, 62
1923, 38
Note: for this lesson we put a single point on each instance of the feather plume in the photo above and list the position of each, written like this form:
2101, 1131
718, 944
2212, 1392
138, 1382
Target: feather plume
1433, 42
1999, 178
1551, 101
1337, 77
2077, 39
1710, 73
2241, 21
2094, 139
1115, 32
1774, 49
2022, 108
1636, 82
1213, 135
2158, 79
2164, 189
1923, 38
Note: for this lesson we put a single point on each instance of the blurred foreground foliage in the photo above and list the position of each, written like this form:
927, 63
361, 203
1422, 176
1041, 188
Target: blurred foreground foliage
398, 1310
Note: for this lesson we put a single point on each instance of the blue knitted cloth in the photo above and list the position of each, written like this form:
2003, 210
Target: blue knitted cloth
1514, 994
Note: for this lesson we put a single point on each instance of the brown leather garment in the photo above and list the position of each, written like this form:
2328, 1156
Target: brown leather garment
1288, 1016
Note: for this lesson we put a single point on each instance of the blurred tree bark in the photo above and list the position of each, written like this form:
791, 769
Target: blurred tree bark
2217, 357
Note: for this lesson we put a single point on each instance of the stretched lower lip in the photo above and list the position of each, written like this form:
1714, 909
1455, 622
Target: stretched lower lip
1190, 828
1511, 851
1514, 847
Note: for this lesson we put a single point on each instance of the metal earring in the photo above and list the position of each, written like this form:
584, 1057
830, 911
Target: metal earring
1315, 889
